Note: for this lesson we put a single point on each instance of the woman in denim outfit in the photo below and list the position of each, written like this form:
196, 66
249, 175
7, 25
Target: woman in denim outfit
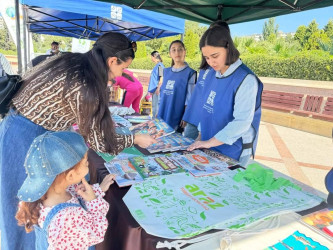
67, 89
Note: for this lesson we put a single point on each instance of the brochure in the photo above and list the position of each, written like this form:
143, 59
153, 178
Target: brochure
320, 221
127, 152
137, 118
126, 174
156, 128
170, 143
155, 165
121, 121
200, 164
221, 157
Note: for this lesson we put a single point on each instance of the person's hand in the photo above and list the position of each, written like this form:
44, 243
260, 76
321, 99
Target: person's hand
143, 140
85, 191
199, 144
157, 91
183, 124
107, 182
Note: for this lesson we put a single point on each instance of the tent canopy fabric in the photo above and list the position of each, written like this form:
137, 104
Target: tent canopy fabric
90, 19
231, 11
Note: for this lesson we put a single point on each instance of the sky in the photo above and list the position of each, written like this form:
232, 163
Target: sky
287, 23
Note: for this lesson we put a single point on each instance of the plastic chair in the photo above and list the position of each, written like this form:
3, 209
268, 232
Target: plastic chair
144, 105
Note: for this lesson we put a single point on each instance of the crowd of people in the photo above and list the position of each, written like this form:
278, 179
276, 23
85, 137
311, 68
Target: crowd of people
220, 108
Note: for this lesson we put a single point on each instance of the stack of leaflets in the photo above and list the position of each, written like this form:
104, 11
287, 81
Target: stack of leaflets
320, 221
126, 174
231, 162
170, 143
121, 121
132, 169
137, 118
200, 164
156, 128
149, 166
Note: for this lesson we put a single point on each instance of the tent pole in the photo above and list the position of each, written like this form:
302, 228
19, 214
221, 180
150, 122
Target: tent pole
25, 39
18, 37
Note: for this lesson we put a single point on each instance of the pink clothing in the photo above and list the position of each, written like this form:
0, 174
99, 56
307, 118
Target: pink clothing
75, 227
134, 90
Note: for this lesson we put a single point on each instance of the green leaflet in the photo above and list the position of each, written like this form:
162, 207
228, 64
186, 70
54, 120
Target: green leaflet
202, 215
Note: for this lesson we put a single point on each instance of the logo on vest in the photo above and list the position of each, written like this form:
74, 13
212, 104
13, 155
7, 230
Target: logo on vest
205, 74
211, 97
170, 84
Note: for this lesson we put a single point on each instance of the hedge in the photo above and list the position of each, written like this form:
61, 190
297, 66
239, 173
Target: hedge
305, 65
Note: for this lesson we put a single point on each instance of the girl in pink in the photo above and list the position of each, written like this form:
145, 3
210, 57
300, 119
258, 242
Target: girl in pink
133, 89
63, 213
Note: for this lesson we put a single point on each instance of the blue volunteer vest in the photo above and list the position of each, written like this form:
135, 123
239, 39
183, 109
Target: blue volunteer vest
154, 78
173, 95
218, 107
192, 112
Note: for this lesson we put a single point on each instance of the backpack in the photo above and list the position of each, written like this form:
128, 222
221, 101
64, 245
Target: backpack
9, 85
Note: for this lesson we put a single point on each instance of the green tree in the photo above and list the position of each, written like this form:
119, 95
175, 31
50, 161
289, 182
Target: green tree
300, 35
329, 29
141, 52
6, 42
191, 42
270, 29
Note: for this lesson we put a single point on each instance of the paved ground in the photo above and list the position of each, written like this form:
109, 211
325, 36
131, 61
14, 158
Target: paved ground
303, 156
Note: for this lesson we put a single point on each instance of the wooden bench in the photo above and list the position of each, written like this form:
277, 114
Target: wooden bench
281, 101
309, 113
327, 112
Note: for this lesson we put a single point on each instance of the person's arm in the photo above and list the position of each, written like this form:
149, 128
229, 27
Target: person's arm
160, 82
190, 89
244, 108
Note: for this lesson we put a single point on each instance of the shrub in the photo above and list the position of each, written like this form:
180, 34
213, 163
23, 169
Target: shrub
309, 65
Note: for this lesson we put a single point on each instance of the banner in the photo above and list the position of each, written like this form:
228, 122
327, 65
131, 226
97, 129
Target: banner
80, 45
181, 206
7, 10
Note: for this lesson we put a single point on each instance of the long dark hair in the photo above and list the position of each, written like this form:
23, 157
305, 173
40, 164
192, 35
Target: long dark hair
173, 42
91, 70
156, 55
218, 35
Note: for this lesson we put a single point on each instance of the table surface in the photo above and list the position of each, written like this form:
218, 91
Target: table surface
123, 231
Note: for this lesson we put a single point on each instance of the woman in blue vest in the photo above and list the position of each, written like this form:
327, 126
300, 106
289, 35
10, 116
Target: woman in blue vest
177, 87
155, 80
231, 109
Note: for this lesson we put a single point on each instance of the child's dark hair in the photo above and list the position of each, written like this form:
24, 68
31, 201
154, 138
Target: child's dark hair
173, 42
156, 55
218, 35
28, 212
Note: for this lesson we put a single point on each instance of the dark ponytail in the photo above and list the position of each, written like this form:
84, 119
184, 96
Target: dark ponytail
156, 55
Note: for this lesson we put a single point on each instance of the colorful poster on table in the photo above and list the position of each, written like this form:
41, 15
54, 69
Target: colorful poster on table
182, 206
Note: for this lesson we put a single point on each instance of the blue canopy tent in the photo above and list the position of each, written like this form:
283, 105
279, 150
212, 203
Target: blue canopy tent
89, 19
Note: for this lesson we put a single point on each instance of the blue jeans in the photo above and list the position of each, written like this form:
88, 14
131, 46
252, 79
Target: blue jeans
16, 136
155, 103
